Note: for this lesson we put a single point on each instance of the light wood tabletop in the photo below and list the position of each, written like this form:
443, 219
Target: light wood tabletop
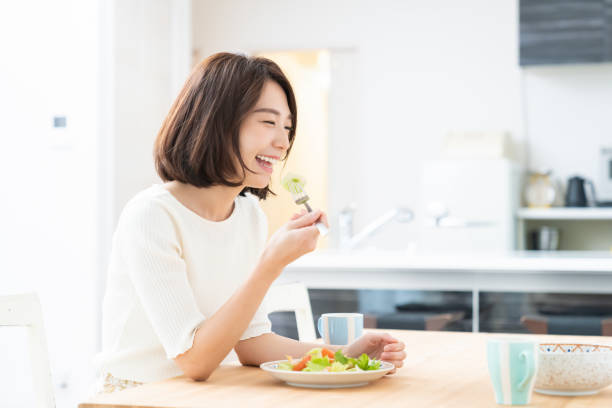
443, 369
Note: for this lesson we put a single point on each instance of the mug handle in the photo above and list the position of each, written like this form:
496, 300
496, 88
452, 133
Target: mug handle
319, 326
530, 369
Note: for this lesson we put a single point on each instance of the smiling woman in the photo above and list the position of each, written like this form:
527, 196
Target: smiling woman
225, 96
190, 265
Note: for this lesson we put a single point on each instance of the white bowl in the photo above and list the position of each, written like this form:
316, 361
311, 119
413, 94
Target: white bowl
573, 369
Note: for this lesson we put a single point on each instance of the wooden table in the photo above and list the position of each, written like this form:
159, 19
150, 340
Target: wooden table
443, 369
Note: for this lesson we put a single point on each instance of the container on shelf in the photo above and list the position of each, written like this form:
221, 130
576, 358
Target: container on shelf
540, 191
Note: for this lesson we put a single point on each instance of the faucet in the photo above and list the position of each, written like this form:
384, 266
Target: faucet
349, 241
440, 217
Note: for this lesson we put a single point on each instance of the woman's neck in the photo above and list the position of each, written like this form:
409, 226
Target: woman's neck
214, 203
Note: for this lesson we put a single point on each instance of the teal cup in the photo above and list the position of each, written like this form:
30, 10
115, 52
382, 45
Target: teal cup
340, 328
512, 366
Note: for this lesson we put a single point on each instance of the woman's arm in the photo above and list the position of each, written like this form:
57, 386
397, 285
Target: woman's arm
270, 347
215, 338
219, 333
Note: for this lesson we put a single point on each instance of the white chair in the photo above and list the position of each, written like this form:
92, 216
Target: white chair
293, 297
25, 311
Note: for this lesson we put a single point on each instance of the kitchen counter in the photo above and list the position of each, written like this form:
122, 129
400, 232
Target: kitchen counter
519, 271
557, 261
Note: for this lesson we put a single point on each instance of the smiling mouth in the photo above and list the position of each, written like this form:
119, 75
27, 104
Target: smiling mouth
266, 161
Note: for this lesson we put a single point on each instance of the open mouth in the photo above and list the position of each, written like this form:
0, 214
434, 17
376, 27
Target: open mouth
266, 162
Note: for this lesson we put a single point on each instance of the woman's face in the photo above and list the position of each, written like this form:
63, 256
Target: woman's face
264, 135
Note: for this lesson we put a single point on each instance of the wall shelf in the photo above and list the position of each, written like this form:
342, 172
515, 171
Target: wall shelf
565, 213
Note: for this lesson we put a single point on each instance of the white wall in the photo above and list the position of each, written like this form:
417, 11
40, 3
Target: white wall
422, 69
152, 52
569, 116
142, 92
419, 70
49, 66
111, 68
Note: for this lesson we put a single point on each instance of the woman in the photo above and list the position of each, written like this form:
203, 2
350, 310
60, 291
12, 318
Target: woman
190, 265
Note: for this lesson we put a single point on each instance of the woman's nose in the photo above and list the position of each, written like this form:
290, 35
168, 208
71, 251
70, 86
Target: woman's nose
282, 140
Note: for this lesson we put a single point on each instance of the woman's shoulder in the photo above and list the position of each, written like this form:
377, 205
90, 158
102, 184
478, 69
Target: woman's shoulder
250, 203
254, 212
148, 206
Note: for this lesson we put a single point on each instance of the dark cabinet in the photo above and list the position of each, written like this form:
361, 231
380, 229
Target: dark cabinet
565, 31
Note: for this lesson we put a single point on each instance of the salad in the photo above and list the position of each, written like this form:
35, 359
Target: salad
322, 359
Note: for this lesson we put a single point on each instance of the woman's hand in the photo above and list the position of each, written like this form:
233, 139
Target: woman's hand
294, 239
380, 346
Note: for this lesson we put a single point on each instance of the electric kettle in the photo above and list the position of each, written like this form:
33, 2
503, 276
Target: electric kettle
576, 194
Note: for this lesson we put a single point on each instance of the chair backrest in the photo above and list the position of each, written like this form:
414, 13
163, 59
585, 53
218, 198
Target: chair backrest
293, 297
25, 311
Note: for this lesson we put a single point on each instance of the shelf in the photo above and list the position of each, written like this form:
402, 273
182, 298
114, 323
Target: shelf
565, 213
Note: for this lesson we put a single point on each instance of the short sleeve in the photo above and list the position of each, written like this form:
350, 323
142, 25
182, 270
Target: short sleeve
151, 248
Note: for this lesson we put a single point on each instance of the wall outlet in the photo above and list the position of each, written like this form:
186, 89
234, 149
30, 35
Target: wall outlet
60, 136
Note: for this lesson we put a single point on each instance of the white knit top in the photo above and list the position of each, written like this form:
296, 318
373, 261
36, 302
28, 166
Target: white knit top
170, 269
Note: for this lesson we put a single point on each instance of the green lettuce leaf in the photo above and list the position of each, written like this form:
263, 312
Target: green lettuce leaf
352, 362
317, 364
374, 365
315, 353
285, 366
337, 367
324, 361
363, 361
338, 356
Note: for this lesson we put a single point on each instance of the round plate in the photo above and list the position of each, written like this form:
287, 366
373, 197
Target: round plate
324, 379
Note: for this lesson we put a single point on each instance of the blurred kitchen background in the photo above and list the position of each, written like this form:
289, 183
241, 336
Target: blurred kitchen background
438, 128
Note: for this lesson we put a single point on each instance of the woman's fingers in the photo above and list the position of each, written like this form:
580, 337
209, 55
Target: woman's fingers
389, 338
297, 215
393, 356
324, 219
305, 219
393, 352
394, 346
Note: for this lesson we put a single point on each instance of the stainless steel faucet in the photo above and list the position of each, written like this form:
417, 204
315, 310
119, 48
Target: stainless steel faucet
440, 217
347, 240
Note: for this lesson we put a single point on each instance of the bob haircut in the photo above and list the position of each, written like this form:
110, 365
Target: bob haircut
198, 142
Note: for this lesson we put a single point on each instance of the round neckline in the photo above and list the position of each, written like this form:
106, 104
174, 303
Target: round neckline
231, 217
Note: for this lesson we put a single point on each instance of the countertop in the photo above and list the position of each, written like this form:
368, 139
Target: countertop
557, 261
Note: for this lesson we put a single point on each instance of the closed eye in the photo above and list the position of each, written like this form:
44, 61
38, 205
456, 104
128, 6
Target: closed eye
271, 122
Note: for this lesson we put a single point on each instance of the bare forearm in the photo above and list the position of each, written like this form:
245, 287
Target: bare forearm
221, 331
270, 347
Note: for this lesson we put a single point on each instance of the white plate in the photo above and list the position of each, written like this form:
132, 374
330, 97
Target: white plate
324, 379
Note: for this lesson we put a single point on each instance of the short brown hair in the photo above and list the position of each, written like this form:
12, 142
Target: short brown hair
198, 140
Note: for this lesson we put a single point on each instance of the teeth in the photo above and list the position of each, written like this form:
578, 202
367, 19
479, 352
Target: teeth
267, 159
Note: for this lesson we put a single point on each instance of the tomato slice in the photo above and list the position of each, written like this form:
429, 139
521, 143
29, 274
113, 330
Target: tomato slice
302, 364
